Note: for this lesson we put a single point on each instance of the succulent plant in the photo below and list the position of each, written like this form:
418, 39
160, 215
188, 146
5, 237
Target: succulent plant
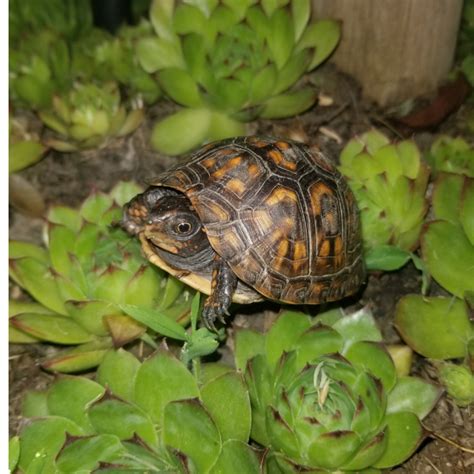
115, 59
326, 397
389, 182
84, 282
440, 328
24, 146
154, 416
451, 155
447, 242
230, 62
88, 116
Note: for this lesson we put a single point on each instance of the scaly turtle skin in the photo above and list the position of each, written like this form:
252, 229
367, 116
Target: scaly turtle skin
252, 217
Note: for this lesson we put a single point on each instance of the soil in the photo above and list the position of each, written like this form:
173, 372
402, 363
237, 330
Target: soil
69, 178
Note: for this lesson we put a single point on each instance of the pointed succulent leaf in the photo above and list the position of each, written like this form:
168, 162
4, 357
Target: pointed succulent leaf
24, 154
358, 326
269, 6
289, 104
281, 37
65, 216
412, 394
331, 450
229, 94
449, 256
367, 454
293, 69
117, 371
239, 6
194, 52
161, 16
132, 121
61, 242
259, 22
35, 404
212, 370
37, 279
404, 433
227, 401
167, 135
180, 87
42, 440
160, 380
284, 334
123, 328
409, 155
19, 249
115, 417
248, 344
263, 84
447, 197
189, 19
61, 145
374, 359
123, 191
223, 126
386, 258
156, 320
236, 457
224, 17
85, 454
155, 54
110, 284
89, 314
81, 358
435, 327
188, 428
142, 288
95, 206
51, 327
70, 398
300, 13
322, 38
281, 435
173, 289
181, 313
13, 452
315, 342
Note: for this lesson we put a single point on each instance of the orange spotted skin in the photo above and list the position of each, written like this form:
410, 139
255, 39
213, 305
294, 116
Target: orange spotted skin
280, 215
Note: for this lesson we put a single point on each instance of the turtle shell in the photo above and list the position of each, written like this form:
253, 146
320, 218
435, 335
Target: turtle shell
278, 213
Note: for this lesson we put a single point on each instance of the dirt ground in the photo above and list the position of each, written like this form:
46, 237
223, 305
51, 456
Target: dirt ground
69, 178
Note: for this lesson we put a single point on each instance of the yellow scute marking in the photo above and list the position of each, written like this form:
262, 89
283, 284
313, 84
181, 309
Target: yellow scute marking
300, 250
263, 220
229, 165
282, 248
236, 186
279, 194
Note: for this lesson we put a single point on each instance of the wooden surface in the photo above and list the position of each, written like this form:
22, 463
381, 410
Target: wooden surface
396, 49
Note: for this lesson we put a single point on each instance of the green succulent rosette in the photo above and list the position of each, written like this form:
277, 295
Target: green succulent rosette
389, 181
451, 155
150, 416
326, 397
230, 62
88, 116
86, 278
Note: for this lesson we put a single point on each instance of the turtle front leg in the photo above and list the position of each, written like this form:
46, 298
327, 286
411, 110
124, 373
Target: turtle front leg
223, 285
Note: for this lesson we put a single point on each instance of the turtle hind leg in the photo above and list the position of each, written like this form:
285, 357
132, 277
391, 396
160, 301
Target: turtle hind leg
223, 285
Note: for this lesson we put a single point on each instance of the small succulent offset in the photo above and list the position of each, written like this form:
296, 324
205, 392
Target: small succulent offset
451, 155
154, 416
84, 281
89, 115
230, 62
389, 182
326, 397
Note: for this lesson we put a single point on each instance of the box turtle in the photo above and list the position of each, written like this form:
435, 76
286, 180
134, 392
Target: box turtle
252, 217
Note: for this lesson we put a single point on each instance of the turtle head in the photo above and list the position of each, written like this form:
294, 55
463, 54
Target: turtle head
167, 220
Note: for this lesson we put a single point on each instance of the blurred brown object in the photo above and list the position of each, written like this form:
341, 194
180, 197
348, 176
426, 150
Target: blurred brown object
396, 49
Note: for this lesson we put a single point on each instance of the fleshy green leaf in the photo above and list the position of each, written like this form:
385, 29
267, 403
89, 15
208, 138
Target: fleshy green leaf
180, 87
167, 135
434, 327
248, 344
13, 452
287, 105
236, 457
24, 154
117, 371
155, 54
412, 394
227, 401
386, 258
188, 428
160, 380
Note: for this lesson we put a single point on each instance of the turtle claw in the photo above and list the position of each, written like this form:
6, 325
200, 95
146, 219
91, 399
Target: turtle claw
215, 309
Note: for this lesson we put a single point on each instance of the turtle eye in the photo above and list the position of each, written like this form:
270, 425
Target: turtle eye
183, 228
